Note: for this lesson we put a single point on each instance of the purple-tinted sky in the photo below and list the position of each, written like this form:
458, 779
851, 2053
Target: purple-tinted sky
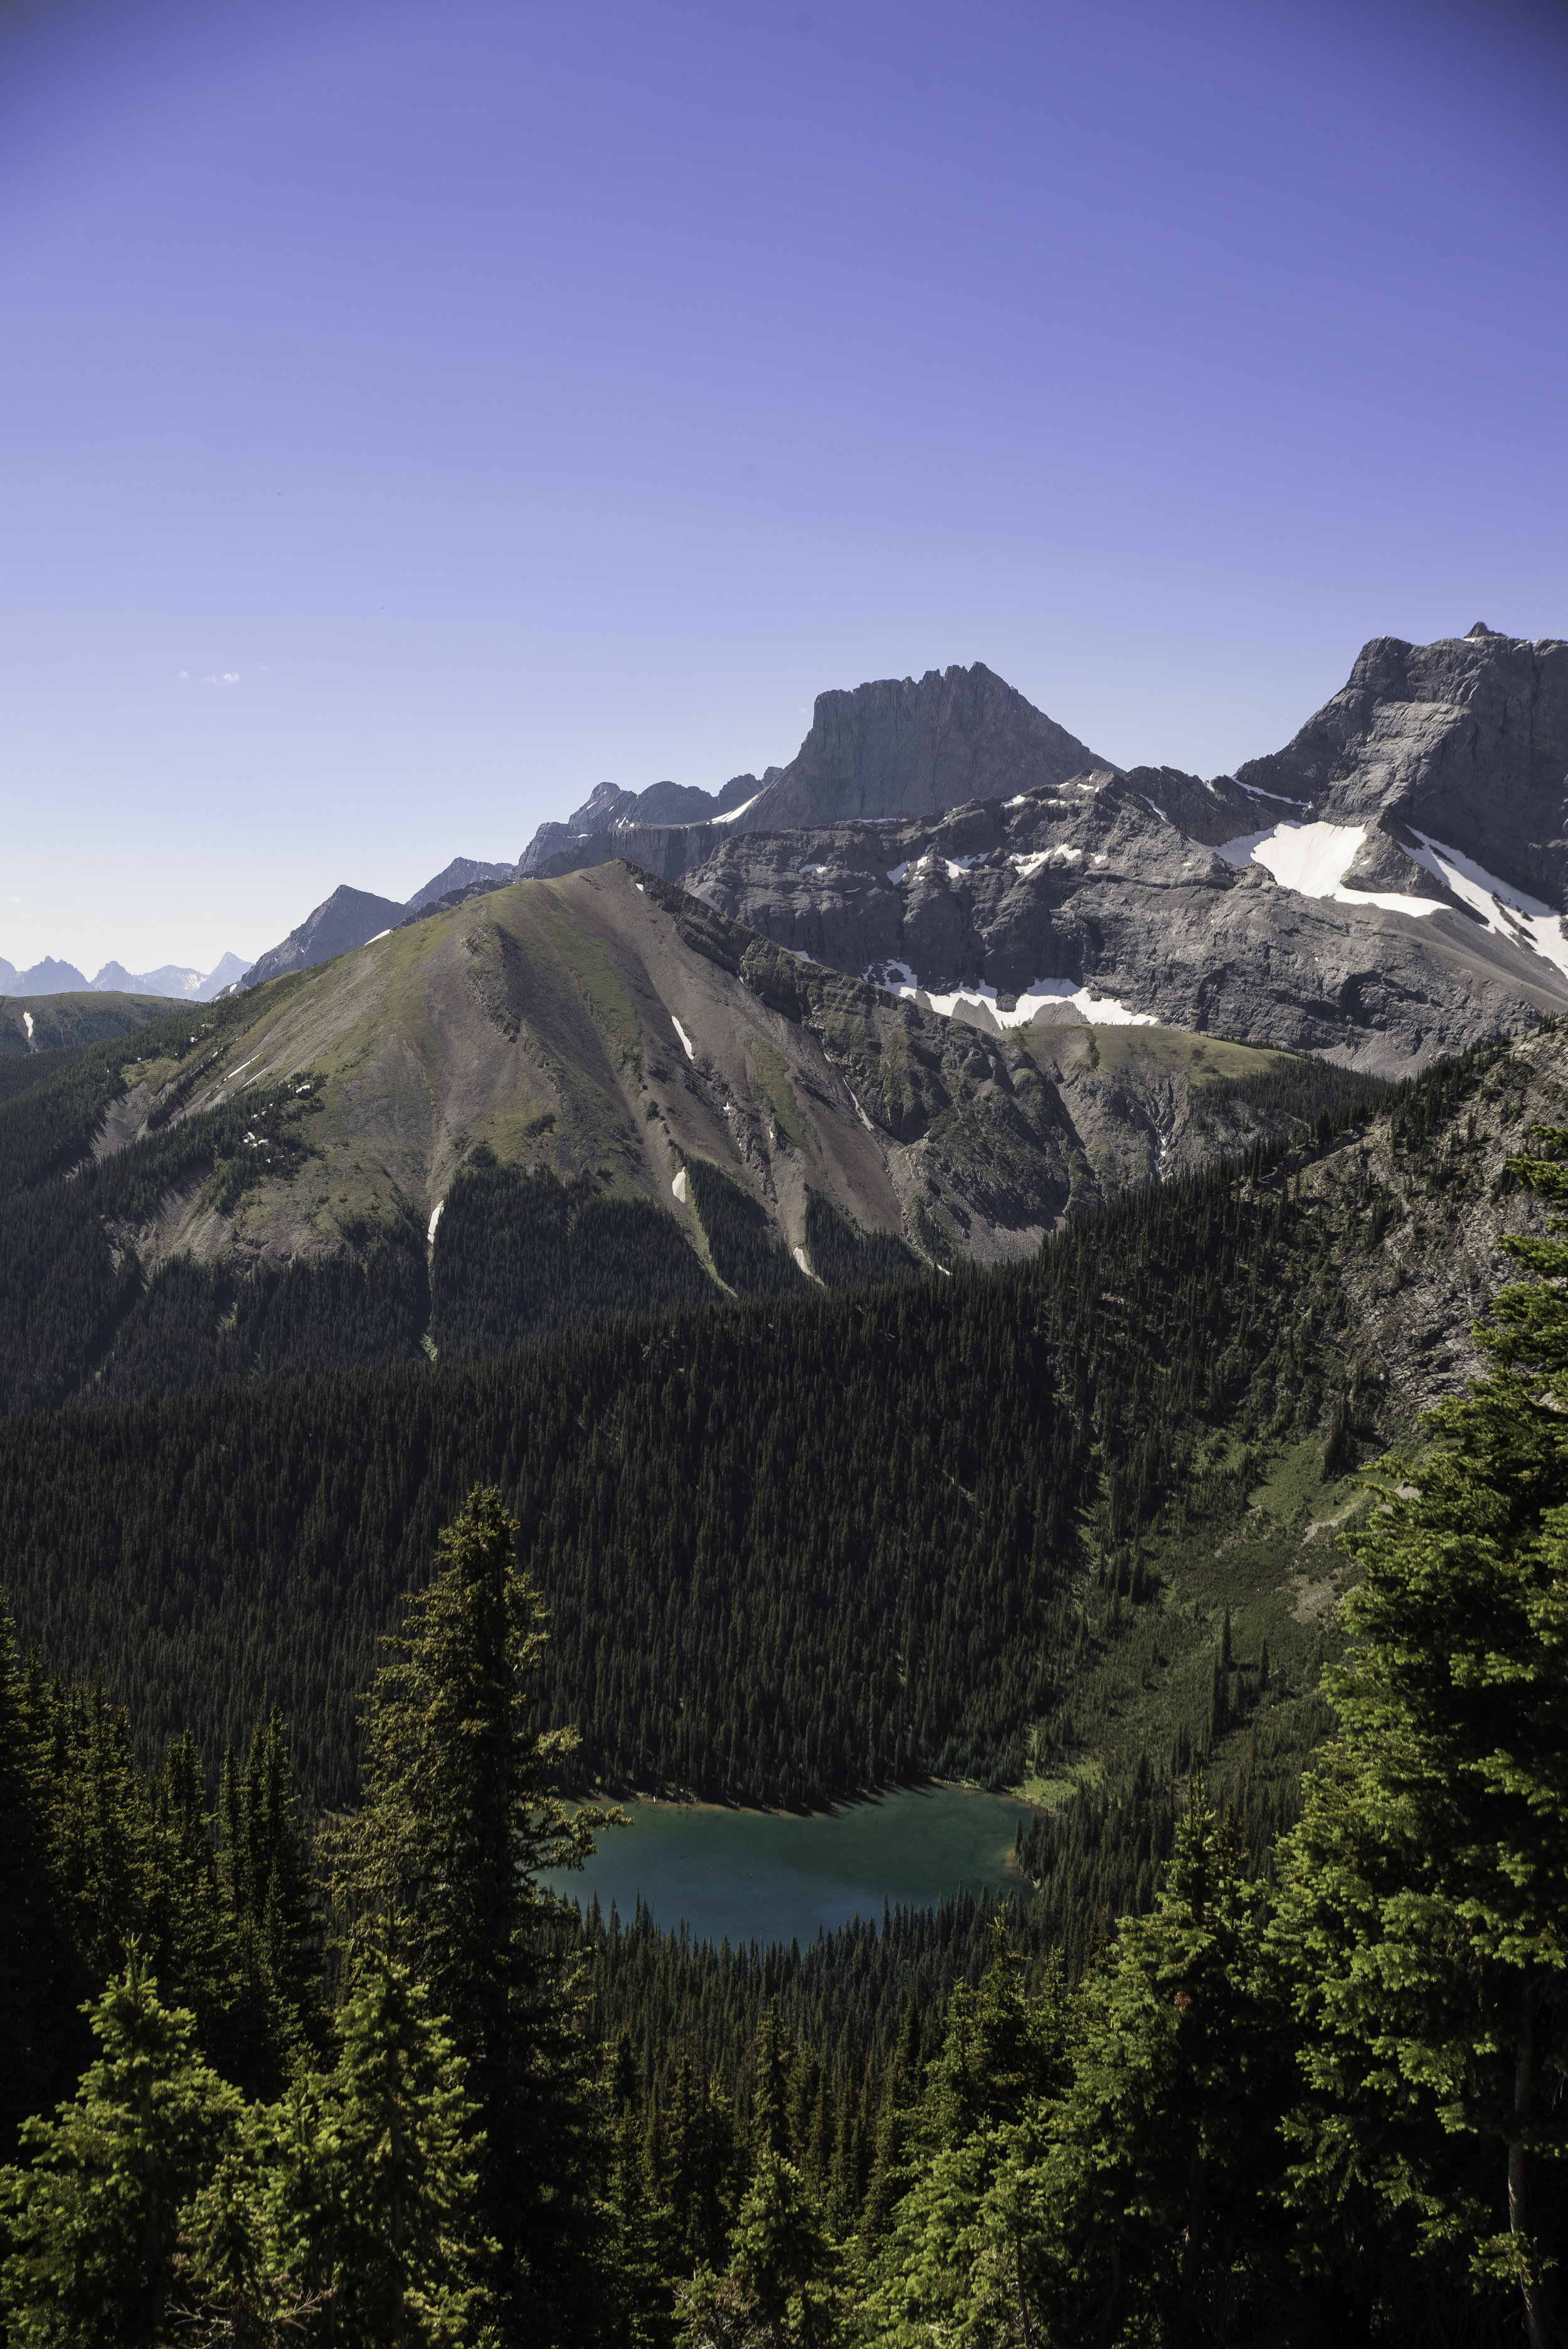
493, 398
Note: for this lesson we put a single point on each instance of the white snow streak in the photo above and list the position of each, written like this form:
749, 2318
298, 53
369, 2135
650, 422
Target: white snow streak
435, 1219
736, 812
679, 1186
27, 1023
1503, 908
898, 873
685, 1039
380, 934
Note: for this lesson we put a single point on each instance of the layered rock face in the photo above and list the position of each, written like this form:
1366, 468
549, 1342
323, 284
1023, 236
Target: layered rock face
1464, 741
598, 829
1388, 888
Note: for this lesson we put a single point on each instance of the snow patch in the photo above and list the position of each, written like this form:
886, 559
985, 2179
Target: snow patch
812, 869
679, 1186
800, 1255
1103, 1011
380, 934
685, 1039
1509, 912
899, 873
957, 865
435, 1219
1152, 809
1038, 858
1312, 859
27, 1023
1240, 850
736, 812
639, 889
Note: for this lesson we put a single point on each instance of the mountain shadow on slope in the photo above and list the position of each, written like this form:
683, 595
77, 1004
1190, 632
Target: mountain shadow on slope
520, 1253
843, 1256
745, 1256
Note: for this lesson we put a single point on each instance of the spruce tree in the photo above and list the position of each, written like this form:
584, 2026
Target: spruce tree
397, 2140
1001, 2054
1140, 2194
1423, 1901
93, 2215
458, 1826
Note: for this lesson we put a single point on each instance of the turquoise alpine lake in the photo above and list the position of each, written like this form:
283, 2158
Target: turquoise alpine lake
769, 1875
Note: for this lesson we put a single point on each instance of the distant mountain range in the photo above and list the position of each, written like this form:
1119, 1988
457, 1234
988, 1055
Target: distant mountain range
1388, 887
52, 978
703, 1046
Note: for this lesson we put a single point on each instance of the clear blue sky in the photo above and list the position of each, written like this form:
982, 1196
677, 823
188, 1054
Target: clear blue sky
495, 397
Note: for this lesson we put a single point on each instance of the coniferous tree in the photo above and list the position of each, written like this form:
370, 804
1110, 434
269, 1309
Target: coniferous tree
1140, 2193
456, 1826
1001, 2052
1423, 1899
93, 2214
397, 2140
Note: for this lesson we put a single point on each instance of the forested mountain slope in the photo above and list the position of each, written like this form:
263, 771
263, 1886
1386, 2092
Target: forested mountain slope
987, 1527
552, 1103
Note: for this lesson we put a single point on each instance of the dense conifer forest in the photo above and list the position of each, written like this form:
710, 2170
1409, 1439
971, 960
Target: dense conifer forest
1246, 2056
850, 1531
377, 2084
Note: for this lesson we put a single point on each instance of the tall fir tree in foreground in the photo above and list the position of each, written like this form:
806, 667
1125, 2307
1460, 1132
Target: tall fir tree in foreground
1425, 1910
456, 1827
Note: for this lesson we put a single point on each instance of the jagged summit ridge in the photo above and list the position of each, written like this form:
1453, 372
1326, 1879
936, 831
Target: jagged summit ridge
1388, 886
896, 746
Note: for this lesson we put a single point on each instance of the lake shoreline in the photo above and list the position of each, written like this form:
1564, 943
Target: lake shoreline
844, 1802
745, 1875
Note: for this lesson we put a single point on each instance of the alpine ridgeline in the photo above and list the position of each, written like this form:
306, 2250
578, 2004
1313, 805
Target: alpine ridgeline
1385, 889
559, 1101
1388, 888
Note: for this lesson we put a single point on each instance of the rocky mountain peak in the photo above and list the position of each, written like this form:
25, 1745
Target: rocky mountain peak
907, 747
1463, 741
